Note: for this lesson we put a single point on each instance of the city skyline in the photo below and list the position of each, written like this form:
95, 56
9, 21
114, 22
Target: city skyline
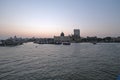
46, 18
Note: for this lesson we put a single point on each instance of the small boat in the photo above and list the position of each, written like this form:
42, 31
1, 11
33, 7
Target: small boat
66, 43
58, 43
94, 43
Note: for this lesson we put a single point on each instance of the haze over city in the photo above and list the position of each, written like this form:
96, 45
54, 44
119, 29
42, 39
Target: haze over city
46, 18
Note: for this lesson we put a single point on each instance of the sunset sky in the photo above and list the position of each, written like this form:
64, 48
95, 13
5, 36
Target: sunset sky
46, 18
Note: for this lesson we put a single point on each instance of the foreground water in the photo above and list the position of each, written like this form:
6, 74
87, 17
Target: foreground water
78, 61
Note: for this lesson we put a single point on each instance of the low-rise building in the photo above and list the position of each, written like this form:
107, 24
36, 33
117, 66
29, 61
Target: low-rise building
62, 38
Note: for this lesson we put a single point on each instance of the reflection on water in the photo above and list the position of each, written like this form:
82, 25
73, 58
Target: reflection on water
78, 61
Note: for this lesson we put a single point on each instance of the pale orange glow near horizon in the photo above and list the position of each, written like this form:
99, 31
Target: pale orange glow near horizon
45, 32
40, 32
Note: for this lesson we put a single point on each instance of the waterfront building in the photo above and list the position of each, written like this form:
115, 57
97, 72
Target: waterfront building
62, 38
77, 32
62, 34
76, 35
117, 39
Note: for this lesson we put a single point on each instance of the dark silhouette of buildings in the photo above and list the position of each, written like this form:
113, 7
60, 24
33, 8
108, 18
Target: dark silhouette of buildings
13, 41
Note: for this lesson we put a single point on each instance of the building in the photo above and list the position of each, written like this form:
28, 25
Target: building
62, 34
77, 32
76, 36
73, 38
62, 38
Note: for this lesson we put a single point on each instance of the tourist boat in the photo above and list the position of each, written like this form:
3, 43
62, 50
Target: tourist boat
58, 43
94, 42
66, 43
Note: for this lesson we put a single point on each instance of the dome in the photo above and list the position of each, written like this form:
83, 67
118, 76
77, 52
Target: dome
62, 34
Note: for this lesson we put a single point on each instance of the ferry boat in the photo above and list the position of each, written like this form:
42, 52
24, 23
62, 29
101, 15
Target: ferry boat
94, 43
58, 43
66, 43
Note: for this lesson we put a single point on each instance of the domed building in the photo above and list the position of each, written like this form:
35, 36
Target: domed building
62, 38
62, 34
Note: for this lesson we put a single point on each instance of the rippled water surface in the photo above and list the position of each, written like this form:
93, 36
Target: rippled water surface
78, 61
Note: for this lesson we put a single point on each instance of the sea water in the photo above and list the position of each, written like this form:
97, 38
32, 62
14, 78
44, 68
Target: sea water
78, 61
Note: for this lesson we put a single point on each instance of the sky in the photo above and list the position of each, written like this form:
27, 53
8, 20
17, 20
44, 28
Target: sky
47, 18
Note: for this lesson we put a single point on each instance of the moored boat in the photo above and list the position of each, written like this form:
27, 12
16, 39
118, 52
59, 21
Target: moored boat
66, 43
94, 43
58, 43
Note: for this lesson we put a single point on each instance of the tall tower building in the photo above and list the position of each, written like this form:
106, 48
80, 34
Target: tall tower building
77, 32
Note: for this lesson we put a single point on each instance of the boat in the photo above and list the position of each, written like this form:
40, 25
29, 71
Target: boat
66, 43
94, 43
58, 43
